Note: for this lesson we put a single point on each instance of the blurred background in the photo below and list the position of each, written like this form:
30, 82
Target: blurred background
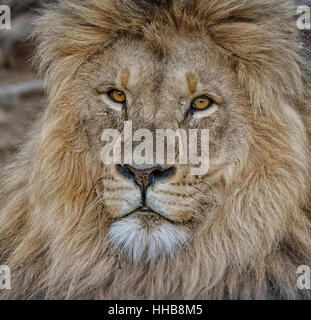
21, 92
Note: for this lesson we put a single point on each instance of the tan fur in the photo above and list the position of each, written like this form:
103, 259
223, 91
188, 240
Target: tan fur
250, 221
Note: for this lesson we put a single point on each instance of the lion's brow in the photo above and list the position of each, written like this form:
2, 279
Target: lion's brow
125, 77
192, 82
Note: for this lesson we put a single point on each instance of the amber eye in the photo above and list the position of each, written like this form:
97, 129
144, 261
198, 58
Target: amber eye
117, 96
201, 103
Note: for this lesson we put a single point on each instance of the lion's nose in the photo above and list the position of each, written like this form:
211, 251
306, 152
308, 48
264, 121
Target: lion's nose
145, 177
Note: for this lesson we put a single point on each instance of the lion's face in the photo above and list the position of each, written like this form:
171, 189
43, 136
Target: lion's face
163, 212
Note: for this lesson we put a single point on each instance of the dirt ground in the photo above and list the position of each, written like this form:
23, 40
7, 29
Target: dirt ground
17, 113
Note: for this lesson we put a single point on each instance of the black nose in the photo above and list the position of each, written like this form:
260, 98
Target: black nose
145, 177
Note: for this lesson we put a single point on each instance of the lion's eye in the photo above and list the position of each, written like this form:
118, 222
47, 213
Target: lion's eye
117, 96
201, 103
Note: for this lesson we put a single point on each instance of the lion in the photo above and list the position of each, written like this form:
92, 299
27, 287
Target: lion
73, 227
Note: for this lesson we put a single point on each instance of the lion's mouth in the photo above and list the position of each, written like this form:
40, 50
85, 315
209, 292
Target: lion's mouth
148, 214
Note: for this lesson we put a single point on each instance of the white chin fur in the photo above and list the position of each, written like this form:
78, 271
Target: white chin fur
139, 244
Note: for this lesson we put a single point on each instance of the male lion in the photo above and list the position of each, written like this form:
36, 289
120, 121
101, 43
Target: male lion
72, 227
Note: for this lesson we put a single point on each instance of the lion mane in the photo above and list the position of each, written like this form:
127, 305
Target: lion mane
52, 226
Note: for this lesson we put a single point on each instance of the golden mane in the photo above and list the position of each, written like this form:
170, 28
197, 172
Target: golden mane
50, 222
